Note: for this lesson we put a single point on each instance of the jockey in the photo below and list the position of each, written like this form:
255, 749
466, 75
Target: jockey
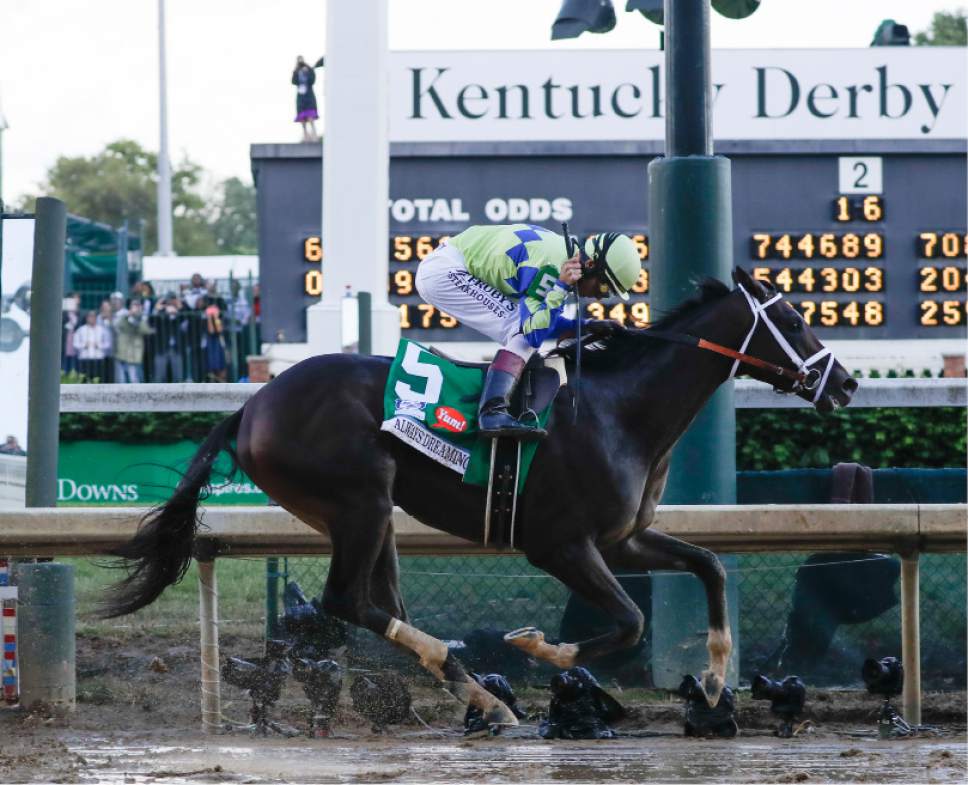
510, 283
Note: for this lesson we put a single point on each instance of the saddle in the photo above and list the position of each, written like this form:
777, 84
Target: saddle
538, 387
539, 384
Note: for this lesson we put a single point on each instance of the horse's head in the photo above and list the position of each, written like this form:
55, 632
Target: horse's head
780, 336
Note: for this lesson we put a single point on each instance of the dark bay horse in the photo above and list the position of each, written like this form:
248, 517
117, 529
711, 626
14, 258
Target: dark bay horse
311, 439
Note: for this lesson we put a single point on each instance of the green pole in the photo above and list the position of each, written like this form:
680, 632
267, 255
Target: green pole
46, 630
364, 301
690, 228
272, 597
43, 390
121, 266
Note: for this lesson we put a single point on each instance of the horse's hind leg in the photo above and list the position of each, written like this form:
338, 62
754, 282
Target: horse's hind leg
360, 556
580, 567
653, 550
385, 580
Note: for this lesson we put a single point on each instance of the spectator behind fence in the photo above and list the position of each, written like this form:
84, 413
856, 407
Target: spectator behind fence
168, 339
11, 447
105, 318
238, 314
194, 291
131, 326
303, 77
142, 290
70, 321
92, 340
212, 342
257, 313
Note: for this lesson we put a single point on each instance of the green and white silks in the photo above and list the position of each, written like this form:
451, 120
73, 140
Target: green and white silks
431, 404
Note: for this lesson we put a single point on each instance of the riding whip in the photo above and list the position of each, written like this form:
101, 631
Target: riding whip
570, 247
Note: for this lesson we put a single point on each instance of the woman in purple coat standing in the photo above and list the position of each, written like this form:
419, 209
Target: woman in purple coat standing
303, 77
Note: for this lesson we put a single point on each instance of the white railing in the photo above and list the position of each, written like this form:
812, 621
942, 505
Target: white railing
237, 531
906, 529
229, 397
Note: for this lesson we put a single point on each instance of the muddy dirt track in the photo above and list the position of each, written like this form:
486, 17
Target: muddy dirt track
407, 756
138, 716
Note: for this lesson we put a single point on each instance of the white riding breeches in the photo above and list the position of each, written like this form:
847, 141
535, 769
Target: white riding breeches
443, 281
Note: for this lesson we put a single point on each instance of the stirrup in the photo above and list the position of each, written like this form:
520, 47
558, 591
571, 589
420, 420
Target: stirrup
515, 429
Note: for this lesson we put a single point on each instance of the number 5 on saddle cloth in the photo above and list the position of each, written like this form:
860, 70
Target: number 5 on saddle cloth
430, 402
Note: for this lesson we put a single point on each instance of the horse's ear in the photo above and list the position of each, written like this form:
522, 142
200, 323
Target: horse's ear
749, 283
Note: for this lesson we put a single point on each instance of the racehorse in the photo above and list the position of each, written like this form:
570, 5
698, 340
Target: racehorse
311, 440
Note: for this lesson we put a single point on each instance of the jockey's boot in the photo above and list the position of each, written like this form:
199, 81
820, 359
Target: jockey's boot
493, 417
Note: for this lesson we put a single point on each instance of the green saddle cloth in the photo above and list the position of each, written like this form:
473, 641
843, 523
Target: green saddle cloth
431, 404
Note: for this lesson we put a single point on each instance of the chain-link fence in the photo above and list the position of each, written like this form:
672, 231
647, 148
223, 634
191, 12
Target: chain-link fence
175, 331
450, 596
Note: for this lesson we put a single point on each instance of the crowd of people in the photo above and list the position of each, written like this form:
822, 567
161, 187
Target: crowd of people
188, 335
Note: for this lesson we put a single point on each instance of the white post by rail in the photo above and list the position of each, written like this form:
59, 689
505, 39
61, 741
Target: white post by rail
208, 622
356, 177
911, 637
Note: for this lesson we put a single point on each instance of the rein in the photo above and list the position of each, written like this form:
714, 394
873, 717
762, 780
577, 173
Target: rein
799, 377
804, 378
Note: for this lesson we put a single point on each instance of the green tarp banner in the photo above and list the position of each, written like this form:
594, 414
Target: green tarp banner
118, 475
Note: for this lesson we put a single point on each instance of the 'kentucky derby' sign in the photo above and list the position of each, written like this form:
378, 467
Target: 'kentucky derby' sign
610, 95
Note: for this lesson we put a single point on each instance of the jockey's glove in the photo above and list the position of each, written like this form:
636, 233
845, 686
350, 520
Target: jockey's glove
602, 328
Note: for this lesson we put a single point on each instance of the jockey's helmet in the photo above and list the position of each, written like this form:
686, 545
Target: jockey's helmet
615, 257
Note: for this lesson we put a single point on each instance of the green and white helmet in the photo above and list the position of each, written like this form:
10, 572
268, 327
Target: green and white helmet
616, 258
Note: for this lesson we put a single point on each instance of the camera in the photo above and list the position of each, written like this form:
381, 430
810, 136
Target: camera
787, 698
321, 682
884, 676
263, 679
701, 720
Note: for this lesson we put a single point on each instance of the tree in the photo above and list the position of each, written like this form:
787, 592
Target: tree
120, 183
947, 29
234, 222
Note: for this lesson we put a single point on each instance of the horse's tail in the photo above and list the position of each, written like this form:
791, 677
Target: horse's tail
160, 552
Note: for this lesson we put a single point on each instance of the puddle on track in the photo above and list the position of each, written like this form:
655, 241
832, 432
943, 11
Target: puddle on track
663, 759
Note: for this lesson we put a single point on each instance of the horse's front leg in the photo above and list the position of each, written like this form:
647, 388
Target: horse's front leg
653, 550
580, 566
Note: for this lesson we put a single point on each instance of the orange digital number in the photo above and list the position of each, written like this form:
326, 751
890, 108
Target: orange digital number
641, 286
313, 249
313, 283
640, 314
641, 242
402, 248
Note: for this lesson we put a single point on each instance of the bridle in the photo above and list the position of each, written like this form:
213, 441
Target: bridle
805, 378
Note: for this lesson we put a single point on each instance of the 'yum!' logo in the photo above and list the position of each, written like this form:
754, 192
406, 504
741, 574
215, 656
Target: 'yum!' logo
450, 419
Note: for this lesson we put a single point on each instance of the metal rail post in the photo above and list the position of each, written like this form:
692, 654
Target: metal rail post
233, 329
911, 636
208, 623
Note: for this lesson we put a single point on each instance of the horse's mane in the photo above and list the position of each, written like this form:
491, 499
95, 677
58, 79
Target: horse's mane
619, 350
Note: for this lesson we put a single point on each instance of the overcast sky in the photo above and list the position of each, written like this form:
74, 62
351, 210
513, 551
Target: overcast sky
77, 74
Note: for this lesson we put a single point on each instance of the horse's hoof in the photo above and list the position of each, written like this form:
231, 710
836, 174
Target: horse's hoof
494, 710
712, 686
499, 714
